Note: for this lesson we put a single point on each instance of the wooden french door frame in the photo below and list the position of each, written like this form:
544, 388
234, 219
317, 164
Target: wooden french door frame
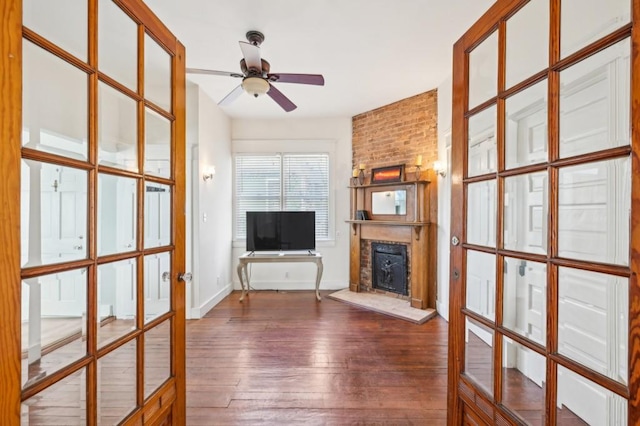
168, 403
462, 391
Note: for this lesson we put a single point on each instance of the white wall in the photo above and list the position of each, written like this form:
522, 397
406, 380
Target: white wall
305, 135
445, 104
208, 224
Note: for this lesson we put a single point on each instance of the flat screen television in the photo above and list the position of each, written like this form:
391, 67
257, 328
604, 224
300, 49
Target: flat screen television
280, 231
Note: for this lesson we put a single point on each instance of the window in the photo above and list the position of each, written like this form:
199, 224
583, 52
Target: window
273, 182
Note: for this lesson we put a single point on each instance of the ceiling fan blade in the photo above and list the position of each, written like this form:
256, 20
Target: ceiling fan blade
315, 79
281, 99
251, 55
232, 96
213, 72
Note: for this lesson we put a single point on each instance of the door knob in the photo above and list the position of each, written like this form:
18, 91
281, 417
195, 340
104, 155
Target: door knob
185, 277
77, 247
455, 241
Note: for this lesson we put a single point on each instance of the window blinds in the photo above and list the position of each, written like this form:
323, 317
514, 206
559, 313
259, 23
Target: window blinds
291, 182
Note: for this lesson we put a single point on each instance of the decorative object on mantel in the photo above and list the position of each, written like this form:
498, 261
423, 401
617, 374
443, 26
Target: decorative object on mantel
439, 168
354, 177
383, 304
418, 170
387, 174
361, 174
362, 215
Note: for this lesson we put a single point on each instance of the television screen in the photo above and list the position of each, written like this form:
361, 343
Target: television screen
275, 231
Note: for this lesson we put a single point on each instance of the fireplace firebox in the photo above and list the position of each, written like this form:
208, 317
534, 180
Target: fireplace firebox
389, 264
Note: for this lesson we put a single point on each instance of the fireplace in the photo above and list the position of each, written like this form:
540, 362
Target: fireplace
389, 267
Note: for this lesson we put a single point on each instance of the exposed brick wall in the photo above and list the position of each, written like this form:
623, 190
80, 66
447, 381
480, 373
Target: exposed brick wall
397, 133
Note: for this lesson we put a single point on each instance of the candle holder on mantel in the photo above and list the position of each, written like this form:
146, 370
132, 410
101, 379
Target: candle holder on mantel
361, 174
418, 172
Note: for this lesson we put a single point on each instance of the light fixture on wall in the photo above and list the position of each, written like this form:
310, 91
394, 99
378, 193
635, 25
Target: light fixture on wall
208, 173
439, 168
255, 86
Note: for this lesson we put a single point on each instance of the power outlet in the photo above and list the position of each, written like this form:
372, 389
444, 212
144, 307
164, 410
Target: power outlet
204, 217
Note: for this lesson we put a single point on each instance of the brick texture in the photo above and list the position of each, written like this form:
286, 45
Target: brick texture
397, 133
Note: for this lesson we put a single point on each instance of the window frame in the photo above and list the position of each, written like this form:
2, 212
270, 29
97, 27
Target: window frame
287, 147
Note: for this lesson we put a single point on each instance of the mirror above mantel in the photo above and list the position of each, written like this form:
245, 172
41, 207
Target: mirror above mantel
392, 202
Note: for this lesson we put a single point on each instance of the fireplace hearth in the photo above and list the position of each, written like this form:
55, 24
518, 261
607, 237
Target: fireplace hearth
389, 265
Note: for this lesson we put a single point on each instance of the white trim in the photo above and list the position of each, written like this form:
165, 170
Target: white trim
201, 311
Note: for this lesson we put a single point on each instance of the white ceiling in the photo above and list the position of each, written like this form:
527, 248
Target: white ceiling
371, 52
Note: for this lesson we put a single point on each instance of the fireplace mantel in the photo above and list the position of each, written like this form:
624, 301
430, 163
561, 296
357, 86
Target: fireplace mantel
412, 229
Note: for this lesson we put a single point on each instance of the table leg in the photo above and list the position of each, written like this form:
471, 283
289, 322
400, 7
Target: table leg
318, 278
241, 268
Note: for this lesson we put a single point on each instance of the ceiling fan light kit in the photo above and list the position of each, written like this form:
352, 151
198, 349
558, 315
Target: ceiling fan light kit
256, 77
255, 86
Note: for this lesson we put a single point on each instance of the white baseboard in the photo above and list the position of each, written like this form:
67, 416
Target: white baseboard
443, 310
294, 285
199, 312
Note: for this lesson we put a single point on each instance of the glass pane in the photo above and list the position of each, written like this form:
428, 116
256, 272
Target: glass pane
525, 213
481, 213
49, 81
482, 142
117, 129
116, 300
64, 22
527, 42
526, 127
593, 320
63, 403
53, 214
478, 361
481, 283
483, 71
523, 381
117, 210
581, 401
157, 357
524, 306
595, 102
595, 206
157, 215
584, 21
157, 74
117, 44
157, 145
157, 285
117, 381
54, 327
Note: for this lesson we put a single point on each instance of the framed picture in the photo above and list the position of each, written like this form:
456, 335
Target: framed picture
387, 174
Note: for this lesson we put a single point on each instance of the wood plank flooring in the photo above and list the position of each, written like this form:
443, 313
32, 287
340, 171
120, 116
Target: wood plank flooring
281, 358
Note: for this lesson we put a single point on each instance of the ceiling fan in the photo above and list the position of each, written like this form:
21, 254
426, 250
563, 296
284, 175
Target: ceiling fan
256, 78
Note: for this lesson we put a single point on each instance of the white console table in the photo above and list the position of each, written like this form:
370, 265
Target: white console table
254, 257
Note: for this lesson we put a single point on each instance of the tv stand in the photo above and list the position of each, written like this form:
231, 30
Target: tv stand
253, 257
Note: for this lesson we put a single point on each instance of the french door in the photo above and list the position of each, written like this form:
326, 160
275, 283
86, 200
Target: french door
545, 226
92, 259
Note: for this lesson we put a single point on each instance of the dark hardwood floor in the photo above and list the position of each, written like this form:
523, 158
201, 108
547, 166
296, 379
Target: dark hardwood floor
281, 358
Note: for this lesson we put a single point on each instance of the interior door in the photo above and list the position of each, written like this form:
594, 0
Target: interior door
93, 114
543, 194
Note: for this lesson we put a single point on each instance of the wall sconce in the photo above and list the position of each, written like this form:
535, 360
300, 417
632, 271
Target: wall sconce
439, 168
208, 173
